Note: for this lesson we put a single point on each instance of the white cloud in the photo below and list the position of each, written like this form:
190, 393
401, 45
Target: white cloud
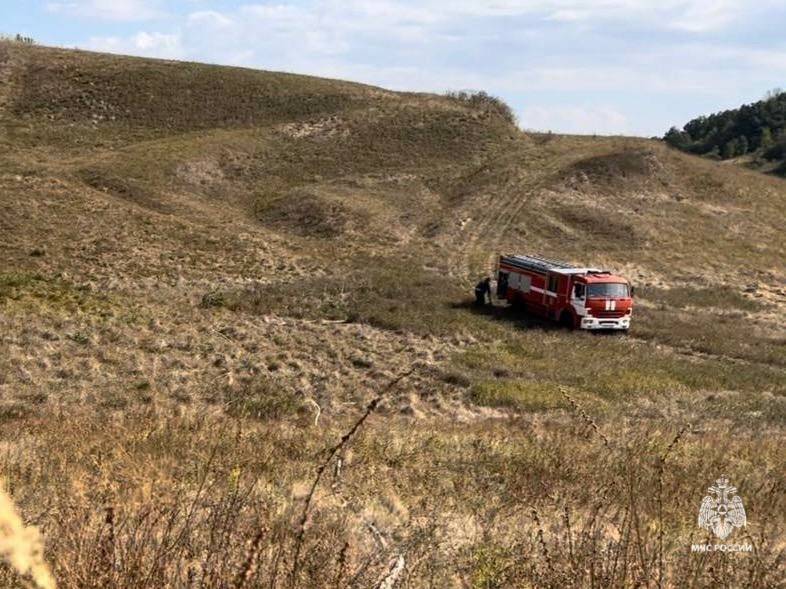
644, 77
696, 16
158, 43
570, 50
575, 119
708, 15
568, 15
210, 18
166, 46
117, 10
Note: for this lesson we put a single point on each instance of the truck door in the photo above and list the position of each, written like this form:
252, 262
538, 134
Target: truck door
578, 298
502, 284
550, 292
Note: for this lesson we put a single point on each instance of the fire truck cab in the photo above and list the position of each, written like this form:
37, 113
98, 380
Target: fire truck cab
583, 298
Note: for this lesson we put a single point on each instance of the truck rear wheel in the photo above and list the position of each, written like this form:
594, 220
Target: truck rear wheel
566, 320
518, 303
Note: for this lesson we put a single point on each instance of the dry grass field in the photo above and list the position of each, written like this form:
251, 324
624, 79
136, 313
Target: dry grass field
237, 347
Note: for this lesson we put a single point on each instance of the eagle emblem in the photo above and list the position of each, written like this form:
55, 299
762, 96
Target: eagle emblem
721, 511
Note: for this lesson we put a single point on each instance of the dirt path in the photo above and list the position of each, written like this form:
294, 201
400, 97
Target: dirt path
485, 231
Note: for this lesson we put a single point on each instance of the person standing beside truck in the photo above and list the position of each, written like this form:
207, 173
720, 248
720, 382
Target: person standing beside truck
483, 290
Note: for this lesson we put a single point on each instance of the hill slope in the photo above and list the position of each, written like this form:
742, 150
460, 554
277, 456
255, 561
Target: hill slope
209, 272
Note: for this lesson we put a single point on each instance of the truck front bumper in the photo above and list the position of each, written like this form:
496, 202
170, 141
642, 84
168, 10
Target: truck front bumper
603, 323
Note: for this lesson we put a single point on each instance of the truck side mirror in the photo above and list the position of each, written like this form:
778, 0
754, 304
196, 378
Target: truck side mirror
632, 291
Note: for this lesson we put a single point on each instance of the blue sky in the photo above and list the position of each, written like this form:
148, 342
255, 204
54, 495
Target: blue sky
591, 66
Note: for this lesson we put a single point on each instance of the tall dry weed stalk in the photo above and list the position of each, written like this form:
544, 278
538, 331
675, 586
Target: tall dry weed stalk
21, 545
332, 453
585, 416
661, 469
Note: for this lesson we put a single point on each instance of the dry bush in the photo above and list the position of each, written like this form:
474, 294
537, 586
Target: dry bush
21, 39
484, 102
198, 502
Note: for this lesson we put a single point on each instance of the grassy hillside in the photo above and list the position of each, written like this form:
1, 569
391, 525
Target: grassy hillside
213, 276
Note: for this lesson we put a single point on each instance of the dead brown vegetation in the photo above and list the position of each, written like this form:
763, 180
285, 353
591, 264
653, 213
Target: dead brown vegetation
201, 298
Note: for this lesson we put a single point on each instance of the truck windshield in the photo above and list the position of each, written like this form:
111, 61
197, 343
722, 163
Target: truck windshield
607, 289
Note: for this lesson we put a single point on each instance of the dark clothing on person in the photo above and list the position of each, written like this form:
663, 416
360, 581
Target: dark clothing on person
482, 289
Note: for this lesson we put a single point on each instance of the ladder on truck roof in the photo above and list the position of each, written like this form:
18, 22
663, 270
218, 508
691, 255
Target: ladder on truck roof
544, 265
535, 263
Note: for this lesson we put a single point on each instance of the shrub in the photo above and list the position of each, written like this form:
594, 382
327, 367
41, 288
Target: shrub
484, 102
18, 39
212, 299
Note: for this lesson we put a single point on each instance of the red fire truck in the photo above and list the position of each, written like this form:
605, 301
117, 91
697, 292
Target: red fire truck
583, 298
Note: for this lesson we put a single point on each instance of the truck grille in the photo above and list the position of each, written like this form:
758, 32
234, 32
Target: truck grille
608, 314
